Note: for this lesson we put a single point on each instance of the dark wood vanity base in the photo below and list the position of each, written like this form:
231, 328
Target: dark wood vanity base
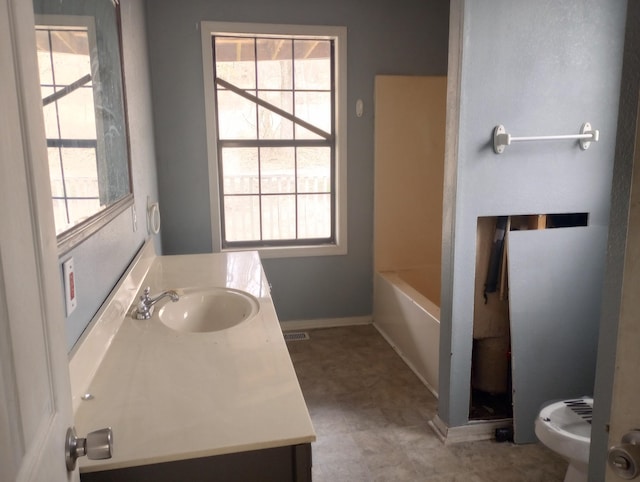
280, 464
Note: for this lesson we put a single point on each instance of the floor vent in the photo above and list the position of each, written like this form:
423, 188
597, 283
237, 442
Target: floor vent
296, 336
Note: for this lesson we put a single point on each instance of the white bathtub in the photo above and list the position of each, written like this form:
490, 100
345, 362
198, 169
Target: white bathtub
409, 320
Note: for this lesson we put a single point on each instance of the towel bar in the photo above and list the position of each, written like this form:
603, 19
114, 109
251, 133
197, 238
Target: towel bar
501, 138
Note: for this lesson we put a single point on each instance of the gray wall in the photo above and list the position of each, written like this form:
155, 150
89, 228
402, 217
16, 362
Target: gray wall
382, 39
101, 260
538, 68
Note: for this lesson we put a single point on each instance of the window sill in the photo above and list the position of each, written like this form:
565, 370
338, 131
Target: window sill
295, 251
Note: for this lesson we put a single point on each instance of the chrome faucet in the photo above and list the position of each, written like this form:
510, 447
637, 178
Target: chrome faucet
145, 305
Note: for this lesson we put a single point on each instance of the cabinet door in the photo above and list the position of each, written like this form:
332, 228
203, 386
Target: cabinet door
555, 290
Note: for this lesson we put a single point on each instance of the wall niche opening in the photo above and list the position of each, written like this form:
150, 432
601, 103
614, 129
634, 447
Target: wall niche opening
491, 391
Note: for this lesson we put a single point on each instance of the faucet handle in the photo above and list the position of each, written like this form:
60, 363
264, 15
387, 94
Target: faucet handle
145, 294
143, 310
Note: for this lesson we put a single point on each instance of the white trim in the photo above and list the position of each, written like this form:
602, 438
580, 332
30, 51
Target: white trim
339, 35
472, 432
296, 251
295, 325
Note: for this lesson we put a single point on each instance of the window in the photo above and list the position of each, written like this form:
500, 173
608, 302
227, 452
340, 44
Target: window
276, 129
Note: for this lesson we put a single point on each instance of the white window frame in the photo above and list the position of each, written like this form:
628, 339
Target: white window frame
339, 36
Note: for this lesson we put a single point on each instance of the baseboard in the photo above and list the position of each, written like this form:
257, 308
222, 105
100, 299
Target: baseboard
472, 432
295, 325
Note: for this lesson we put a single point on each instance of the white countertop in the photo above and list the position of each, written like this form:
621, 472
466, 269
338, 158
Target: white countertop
170, 395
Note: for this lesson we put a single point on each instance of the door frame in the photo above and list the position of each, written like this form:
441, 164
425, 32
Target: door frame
628, 135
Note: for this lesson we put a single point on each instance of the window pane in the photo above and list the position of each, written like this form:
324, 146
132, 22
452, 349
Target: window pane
55, 172
314, 216
77, 115
314, 169
80, 172
272, 125
277, 170
81, 209
312, 64
278, 217
235, 61
60, 215
71, 59
50, 115
274, 64
236, 116
44, 57
315, 108
240, 170
242, 218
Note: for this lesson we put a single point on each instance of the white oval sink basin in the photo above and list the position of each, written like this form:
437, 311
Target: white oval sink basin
208, 309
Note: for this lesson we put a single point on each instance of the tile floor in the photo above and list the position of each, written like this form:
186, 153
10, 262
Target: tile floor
370, 413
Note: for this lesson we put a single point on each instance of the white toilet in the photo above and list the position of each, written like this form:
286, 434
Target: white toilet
565, 428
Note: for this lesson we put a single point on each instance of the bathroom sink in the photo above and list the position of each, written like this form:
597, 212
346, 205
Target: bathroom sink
208, 309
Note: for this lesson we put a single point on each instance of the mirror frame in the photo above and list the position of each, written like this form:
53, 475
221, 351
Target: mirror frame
69, 239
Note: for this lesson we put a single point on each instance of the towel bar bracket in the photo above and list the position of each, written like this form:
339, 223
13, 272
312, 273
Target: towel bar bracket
501, 138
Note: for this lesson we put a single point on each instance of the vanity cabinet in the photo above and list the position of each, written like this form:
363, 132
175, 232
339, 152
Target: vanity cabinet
221, 405
280, 464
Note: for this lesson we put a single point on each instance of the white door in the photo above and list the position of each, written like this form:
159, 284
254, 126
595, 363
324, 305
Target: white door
35, 396
625, 404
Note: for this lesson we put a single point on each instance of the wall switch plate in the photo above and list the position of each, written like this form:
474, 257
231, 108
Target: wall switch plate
71, 300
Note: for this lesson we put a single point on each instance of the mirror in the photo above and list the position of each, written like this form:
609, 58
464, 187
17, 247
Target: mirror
79, 59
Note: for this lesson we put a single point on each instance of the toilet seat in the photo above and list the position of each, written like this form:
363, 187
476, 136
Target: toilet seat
565, 428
